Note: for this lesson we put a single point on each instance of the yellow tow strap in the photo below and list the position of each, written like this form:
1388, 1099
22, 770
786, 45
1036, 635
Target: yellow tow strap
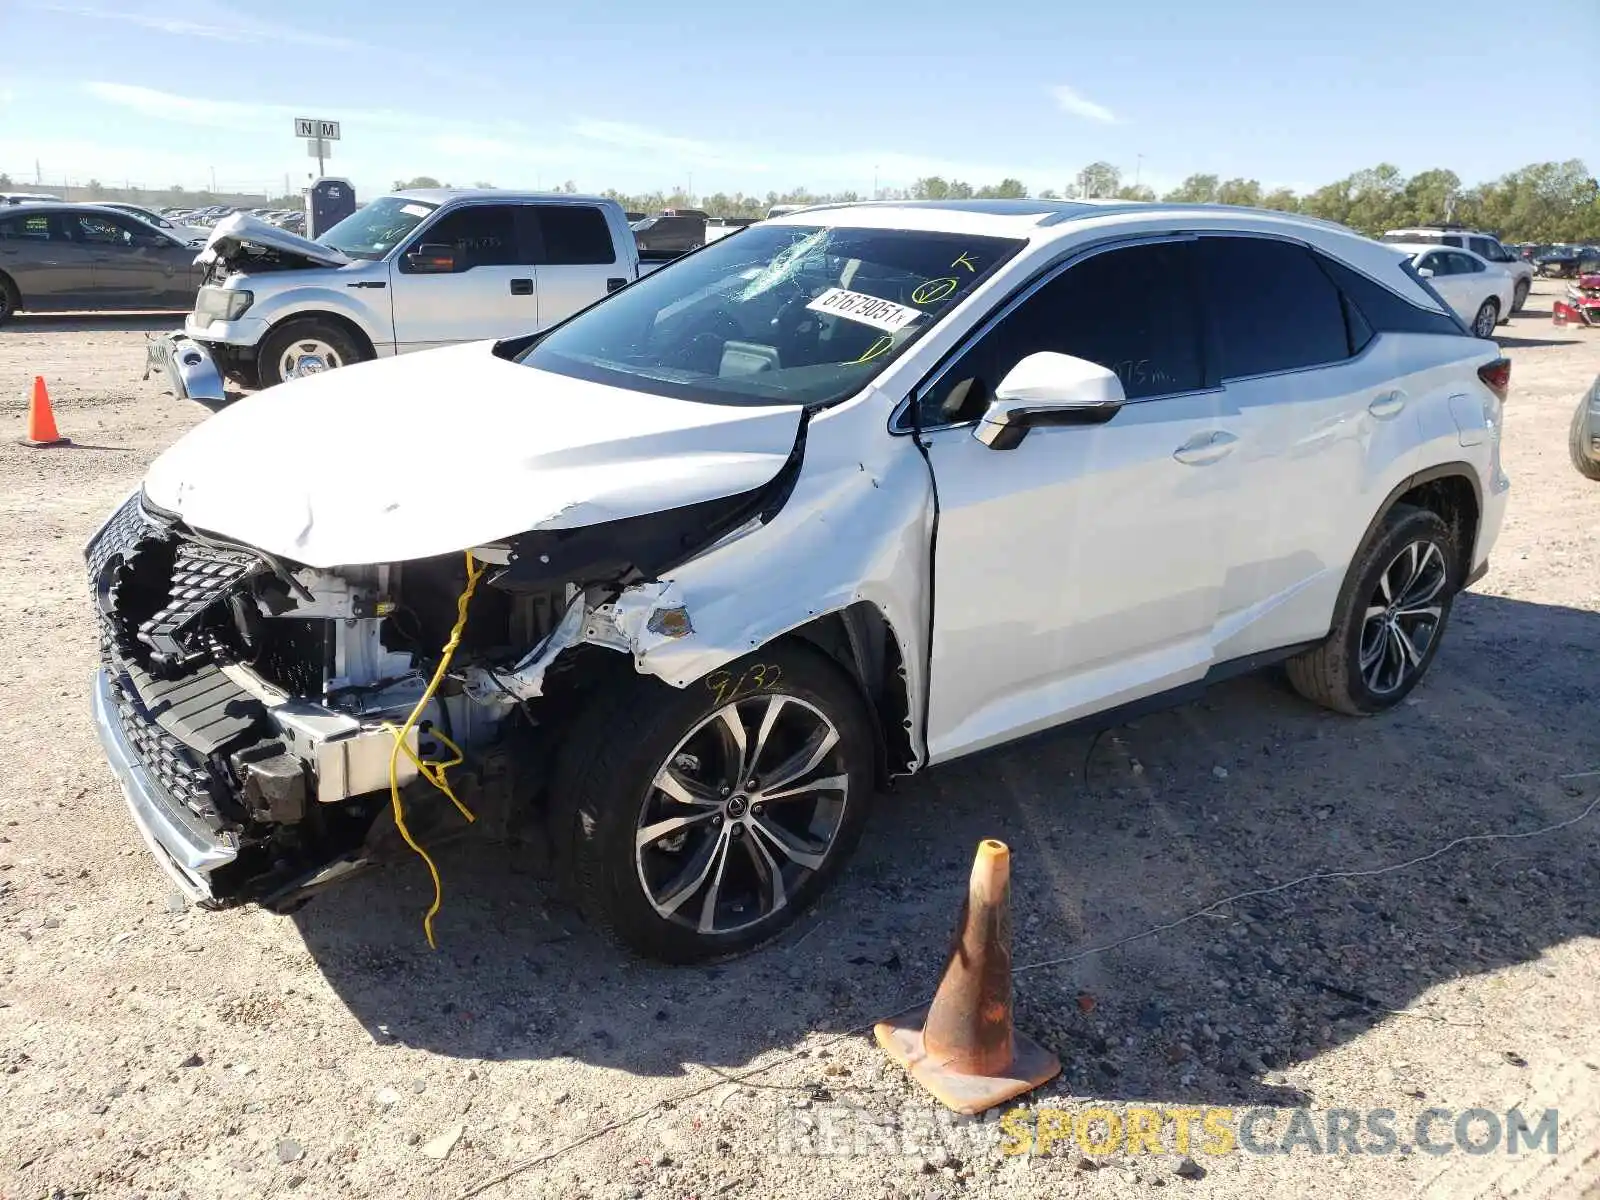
433, 772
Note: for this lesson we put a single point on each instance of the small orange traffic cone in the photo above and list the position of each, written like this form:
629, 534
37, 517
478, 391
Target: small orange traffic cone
963, 1047
41, 421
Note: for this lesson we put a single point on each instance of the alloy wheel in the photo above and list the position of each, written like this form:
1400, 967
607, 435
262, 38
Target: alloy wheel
307, 356
745, 808
1403, 616
1483, 326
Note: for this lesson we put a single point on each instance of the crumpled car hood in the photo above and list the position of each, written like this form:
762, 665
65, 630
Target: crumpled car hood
436, 452
231, 232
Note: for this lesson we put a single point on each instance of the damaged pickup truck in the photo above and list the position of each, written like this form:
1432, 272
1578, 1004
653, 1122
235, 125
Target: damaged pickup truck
682, 581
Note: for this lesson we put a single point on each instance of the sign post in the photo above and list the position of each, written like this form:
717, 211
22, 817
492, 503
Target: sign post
318, 134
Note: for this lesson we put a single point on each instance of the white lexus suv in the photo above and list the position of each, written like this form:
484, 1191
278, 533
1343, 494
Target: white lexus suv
854, 492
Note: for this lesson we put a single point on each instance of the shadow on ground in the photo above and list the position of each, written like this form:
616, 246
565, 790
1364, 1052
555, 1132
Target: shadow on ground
1245, 789
140, 322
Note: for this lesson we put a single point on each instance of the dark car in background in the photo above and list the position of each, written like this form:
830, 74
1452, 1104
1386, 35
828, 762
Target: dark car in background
669, 235
57, 257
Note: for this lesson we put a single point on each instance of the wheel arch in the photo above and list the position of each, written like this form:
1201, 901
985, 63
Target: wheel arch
8, 281
1454, 492
344, 323
861, 641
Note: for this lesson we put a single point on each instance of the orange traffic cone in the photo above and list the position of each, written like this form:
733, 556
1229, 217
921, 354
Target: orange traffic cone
41, 421
966, 1052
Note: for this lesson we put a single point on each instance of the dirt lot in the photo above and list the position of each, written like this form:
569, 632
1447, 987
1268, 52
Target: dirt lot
150, 1050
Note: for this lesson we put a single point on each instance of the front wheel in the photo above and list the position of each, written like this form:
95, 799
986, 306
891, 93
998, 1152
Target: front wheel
1519, 295
307, 346
697, 824
1488, 317
1390, 615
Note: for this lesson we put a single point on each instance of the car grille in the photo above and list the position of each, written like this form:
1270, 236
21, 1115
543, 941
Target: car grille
175, 768
201, 575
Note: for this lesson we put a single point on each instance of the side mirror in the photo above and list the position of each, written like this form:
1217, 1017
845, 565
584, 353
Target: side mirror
431, 259
1049, 389
1425, 272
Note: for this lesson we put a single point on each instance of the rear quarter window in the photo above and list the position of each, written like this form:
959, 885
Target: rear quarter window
1272, 307
1385, 310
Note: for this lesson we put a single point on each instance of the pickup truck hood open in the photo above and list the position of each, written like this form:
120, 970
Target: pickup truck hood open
432, 453
241, 229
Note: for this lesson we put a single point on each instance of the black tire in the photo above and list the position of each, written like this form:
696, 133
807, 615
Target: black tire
1578, 442
1519, 295
1336, 674
305, 330
1488, 316
603, 794
10, 298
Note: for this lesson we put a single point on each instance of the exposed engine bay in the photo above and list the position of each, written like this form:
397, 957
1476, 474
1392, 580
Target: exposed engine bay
264, 696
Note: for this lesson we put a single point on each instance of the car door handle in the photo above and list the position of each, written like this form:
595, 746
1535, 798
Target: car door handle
522, 287
1387, 405
615, 285
1205, 448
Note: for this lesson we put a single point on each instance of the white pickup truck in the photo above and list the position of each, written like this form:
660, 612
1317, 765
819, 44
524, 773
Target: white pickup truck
410, 271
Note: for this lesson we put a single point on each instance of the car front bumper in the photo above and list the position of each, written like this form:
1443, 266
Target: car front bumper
186, 851
191, 371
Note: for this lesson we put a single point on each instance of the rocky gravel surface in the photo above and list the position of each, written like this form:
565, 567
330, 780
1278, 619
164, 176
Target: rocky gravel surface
151, 1050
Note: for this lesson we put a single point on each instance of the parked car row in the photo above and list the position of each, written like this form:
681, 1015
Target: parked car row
1486, 247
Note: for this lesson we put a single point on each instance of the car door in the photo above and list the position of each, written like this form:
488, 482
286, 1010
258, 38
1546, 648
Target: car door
488, 292
48, 268
577, 260
134, 265
1448, 282
1083, 567
1317, 422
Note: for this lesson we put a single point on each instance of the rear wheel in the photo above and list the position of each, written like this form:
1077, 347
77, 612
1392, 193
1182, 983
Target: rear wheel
1391, 613
1579, 443
307, 346
1519, 295
10, 299
1488, 317
698, 823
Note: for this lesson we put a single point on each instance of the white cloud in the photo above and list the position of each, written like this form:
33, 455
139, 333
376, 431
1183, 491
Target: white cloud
165, 106
1070, 100
214, 24
685, 150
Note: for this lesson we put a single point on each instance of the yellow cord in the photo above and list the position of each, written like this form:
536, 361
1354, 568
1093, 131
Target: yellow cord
433, 772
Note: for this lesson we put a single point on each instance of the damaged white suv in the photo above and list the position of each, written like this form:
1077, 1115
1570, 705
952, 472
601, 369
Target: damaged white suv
682, 581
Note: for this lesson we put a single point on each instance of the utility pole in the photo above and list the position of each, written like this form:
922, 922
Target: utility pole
38, 174
213, 181
874, 181
1138, 168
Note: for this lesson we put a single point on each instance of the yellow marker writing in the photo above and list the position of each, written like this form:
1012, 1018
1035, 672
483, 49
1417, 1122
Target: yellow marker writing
878, 347
934, 290
964, 261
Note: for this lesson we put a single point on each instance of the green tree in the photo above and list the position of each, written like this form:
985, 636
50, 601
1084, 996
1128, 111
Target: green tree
1049, 194
95, 188
933, 187
1430, 197
5, 180
1006, 189
1331, 203
1136, 191
1197, 189
1099, 179
1243, 192
1282, 199
421, 181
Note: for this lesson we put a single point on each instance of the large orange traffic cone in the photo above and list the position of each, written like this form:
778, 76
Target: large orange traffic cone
41, 421
963, 1047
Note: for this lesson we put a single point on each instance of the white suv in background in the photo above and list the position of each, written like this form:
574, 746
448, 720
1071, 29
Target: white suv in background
1485, 245
1480, 292
860, 491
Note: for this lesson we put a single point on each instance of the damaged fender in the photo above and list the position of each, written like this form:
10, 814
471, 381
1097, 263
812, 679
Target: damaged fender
857, 528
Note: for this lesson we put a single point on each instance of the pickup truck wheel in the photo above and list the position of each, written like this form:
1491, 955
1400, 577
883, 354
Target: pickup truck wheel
1390, 615
304, 347
1519, 295
10, 299
697, 823
1578, 442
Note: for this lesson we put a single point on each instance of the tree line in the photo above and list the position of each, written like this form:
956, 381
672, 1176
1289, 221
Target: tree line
1541, 202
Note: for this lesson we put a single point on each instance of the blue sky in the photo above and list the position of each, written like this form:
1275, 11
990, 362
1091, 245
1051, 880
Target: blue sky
762, 96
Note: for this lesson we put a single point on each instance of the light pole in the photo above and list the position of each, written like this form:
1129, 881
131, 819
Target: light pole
1138, 168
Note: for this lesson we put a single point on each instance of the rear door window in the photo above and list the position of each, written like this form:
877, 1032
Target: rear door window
571, 235
1132, 311
1273, 308
481, 235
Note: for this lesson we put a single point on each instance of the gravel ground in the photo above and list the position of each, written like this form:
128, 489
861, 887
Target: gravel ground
149, 1050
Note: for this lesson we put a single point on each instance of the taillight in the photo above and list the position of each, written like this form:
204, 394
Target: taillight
1496, 376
